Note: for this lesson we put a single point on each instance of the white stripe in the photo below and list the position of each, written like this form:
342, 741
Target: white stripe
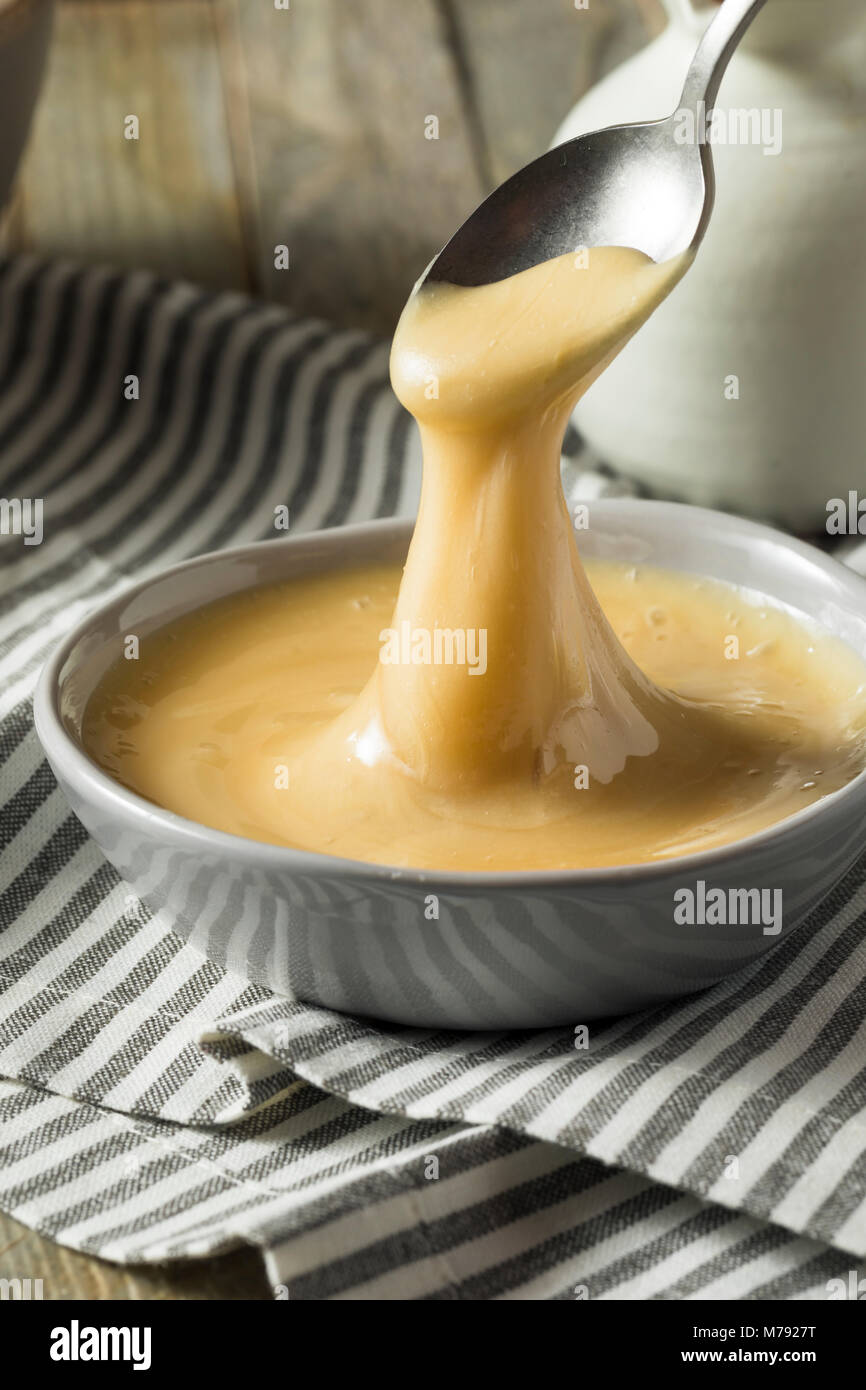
378, 1220
67, 386
20, 766
330, 477
499, 1094
790, 1117
271, 1191
26, 383
756, 1075
80, 440
486, 1250
851, 1235
218, 506
690, 1139
684, 1260
16, 858
11, 289
76, 452
374, 459
142, 487
410, 485
395, 1078
763, 1269
215, 506
58, 1016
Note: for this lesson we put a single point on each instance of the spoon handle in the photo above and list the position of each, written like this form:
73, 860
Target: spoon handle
714, 52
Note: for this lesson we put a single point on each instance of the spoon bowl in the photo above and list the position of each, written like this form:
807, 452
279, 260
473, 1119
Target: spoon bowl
643, 186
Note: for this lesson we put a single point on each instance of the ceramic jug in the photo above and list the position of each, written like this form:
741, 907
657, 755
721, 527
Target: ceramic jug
747, 388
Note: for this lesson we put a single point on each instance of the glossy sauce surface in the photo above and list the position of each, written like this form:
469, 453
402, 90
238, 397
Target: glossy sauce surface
221, 700
491, 708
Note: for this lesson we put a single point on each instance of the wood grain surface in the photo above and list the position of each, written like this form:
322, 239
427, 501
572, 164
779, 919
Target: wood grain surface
307, 128
67, 1275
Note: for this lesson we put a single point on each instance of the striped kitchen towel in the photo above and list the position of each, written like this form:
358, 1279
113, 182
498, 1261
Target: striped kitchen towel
154, 1105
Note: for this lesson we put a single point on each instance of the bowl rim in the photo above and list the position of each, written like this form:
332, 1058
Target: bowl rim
82, 772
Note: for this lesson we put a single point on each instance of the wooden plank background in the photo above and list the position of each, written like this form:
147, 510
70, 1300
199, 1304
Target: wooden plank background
304, 127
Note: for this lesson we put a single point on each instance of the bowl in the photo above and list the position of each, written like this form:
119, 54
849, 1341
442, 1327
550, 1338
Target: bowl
508, 950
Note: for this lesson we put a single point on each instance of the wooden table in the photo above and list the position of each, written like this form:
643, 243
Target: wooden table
68, 1275
307, 128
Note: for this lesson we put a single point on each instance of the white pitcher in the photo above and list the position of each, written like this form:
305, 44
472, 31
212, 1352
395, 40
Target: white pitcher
747, 388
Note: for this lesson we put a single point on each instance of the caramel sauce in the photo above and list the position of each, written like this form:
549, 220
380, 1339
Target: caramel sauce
492, 708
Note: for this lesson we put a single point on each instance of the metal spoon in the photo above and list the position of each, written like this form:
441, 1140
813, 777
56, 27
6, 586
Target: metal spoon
627, 185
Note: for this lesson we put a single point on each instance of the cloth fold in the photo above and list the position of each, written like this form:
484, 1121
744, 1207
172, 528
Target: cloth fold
156, 1105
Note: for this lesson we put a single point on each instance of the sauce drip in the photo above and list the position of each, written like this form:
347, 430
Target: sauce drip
514, 718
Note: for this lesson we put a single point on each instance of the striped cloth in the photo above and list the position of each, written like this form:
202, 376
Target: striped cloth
155, 1106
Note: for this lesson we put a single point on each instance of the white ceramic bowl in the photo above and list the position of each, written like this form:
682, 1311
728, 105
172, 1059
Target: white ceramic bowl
513, 950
